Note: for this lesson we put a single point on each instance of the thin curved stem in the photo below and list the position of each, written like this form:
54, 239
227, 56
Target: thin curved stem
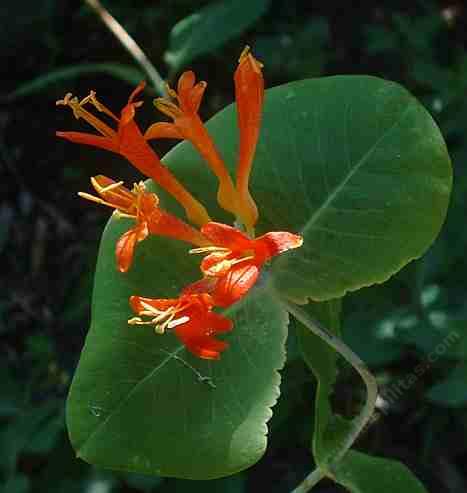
130, 45
371, 386
313, 478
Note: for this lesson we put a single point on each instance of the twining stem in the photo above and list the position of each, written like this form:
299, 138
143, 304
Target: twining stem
313, 478
366, 413
131, 46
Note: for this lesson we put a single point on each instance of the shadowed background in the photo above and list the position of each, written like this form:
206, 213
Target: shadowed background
49, 237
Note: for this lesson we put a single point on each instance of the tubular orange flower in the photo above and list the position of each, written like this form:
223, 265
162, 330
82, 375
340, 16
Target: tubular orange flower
143, 207
234, 262
191, 318
188, 125
249, 92
128, 141
249, 95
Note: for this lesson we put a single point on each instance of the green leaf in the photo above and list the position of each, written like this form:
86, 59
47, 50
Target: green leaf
452, 391
232, 484
439, 336
138, 401
142, 482
288, 55
15, 438
373, 338
209, 28
329, 428
354, 163
17, 484
48, 435
120, 71
11, 393
360, 473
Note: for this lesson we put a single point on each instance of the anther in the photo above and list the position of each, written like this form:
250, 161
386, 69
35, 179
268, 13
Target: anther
93, 198
91, 98
65, 101
121, 215
168, 108
177, 322
209, 249
110, 187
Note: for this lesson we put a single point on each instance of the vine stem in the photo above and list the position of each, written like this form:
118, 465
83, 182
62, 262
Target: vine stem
366, 413
130, 45
313, 478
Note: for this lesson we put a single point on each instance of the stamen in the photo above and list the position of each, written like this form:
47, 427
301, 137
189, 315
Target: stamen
121, 193
168, 108
118, 213
240, 260
111, 187
158, 329
93, 198
91, 98
209, 249
138, 188
151, 309
122, 215
177, 322
163, 319
80, 112
65, 101
246, 53
171, 92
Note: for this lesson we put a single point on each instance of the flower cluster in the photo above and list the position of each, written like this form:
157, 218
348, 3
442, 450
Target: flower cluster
233, 259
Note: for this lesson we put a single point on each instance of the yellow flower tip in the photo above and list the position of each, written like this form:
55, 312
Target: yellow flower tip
227, 196
245, 52
197, 214
246, 55
247, 209
171, 92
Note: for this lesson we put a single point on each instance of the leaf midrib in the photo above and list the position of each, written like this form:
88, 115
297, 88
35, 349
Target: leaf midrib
128, 396
338, 189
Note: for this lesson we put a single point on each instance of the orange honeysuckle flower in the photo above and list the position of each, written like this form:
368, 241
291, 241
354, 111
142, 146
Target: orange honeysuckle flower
128, 141
188, 125
191, 318
249, 95
249, 92
234, 262
143, 207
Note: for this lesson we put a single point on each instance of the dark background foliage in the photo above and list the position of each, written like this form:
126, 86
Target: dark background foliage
412, 331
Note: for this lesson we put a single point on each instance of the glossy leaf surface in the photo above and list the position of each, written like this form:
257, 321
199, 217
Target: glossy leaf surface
355, 164
139, 402
206, 30
360, 473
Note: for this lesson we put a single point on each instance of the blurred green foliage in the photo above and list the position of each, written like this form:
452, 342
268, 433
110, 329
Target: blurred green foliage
411, 330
